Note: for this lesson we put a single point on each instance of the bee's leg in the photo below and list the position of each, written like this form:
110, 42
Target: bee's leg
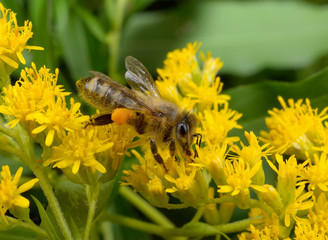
158, 158
100, 120
198, 142
172, 147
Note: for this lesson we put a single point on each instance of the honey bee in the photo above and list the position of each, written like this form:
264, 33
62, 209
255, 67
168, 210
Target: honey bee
142, 107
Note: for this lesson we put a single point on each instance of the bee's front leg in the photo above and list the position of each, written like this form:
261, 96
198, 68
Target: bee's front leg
157, 156
103, 119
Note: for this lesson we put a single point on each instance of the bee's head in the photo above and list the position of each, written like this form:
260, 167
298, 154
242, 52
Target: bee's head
185, 130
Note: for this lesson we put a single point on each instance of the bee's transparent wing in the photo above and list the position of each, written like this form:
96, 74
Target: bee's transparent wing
139, 78
117, 95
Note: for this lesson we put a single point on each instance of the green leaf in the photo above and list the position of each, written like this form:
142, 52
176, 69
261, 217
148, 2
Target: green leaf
73, 200
20, 213
17, 233
49, 227
247, 36
40, 12
72, 38
254, 100
92, 23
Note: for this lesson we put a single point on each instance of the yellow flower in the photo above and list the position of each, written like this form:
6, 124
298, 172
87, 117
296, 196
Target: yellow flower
212, 157
239, 180
13, 40
252, 154
39, 104
287, 176
299, 203
78, 150
257, 234
10, 192
184, 82
216, 124
296, 128
56, 119
316, 175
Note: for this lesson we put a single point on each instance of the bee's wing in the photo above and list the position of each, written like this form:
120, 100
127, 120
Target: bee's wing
123, 96
139, 78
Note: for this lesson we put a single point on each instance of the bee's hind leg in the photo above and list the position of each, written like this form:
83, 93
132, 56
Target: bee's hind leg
157, 156
100, 120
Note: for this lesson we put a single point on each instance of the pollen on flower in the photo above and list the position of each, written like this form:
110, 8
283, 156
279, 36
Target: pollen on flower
13, 40
10, 192
78, 150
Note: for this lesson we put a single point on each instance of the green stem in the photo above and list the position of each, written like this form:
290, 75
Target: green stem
198, 214
92, 193
261, 205
26, 145
187, 232
52, 200
152, 213
29, 226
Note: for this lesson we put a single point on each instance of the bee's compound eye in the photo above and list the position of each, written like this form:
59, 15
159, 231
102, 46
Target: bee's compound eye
182, 129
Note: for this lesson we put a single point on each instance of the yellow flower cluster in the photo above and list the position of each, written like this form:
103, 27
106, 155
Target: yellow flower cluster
38, 103
10, 193
297, 129
13, 41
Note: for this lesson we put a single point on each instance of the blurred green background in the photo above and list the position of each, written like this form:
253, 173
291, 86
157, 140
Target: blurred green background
269, 48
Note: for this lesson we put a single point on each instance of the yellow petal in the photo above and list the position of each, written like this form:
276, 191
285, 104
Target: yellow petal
27, 186
13, 123
21, 57
9, 61
34, 48
259, 188
21, 201
100, 168
76, 167
18, 175
39, 129
225, 189
50, 137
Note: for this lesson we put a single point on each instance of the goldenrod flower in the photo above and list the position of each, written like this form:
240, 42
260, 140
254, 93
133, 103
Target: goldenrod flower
56, 119
13, 40
10, 192
252, 154
239, 180
39, 104
287, 176
257, 234
295, 129
317, 223
183, 81
216, 124
213, 157
78, 150
316, 174
299, 203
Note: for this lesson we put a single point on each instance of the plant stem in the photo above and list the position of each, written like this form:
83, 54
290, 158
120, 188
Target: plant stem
52, 200
26, 145
92, 193
184, 231
151, 212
